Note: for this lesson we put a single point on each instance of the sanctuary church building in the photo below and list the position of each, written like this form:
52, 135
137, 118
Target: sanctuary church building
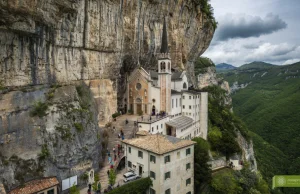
163, 97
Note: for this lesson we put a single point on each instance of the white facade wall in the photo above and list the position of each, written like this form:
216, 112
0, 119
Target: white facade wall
155, 127
204, 114
175, 105
155, 94
178, 85
177, 167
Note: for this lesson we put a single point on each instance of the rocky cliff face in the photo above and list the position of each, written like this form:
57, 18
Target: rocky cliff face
209, 78
48, 131
58, 42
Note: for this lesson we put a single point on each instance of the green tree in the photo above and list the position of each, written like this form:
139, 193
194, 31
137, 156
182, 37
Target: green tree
202, 170
225, 183
112, 177
74, 190
214, 137
96, 180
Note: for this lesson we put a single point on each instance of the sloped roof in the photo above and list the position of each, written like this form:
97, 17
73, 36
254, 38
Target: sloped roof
175, 92
164, 40
180, 122
154, 75
142, 133
35, 186
176, 76
159, 144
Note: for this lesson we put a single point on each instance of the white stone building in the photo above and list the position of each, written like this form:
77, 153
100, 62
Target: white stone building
167, 160
184, 111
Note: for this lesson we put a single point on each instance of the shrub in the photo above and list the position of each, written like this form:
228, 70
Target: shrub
130, 112
96, 179
45, 152
39, 109
74, 190
112, 177
115, 115
136, 187
108, 124
78, 127
140, 113
84, 176
65, 132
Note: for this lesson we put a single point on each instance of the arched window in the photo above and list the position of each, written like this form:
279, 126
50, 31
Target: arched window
138, 100
169, 66
184, 85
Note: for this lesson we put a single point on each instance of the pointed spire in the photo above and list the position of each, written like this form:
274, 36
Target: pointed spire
164, 40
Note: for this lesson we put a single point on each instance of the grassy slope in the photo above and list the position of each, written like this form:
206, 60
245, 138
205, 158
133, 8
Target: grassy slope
270, 106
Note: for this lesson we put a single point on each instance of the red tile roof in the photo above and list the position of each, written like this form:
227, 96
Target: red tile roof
35, 186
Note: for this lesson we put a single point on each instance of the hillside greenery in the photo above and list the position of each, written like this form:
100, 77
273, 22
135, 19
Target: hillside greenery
270, 107
136, 187
201, 64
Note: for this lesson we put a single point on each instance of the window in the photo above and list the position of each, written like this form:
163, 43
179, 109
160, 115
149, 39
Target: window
129, 149
138, 86
50, 191
172, 103
178, 155
188, 166
152, 129
167, 159
193, 97
184, 85
152, 158
140, 154
188, 181
190, 107
167, 175
188, 151
190, 97
152, 191
168, 191
152, 174
183, 107
176, 102
156, 127
129, 164
180, 102
161, 126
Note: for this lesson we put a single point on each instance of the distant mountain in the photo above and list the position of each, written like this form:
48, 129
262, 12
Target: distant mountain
224, 67
257, 65
267, 97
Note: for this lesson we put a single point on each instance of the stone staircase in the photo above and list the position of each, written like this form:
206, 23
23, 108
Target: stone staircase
113, 141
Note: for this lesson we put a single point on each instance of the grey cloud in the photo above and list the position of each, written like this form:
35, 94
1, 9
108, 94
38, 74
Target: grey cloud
245, 26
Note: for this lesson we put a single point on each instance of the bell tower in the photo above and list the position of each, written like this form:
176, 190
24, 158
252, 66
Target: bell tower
164, 72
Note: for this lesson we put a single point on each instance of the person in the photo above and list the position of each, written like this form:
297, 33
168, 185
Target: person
123, 137
115, 157
89, 191
126, 121
150, 118
90, 186
109, 159
108, 173
99, 188
119, 135
142, 117
114, 150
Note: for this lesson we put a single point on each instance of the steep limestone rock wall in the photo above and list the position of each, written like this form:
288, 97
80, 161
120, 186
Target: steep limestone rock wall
66, 40
48, 132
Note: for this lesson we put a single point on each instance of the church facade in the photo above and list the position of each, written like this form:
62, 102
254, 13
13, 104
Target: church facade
164, 99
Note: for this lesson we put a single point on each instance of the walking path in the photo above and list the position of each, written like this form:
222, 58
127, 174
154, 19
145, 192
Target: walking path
113, 141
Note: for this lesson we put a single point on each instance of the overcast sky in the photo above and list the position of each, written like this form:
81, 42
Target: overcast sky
256, 30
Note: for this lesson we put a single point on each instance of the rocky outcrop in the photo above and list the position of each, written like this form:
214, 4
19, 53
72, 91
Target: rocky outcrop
66, 40
48, 131
209, 78
247, 151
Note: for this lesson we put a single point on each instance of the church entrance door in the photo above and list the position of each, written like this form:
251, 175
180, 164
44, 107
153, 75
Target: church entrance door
138, 108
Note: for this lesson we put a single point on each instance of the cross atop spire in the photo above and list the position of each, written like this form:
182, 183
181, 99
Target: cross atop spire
164, 41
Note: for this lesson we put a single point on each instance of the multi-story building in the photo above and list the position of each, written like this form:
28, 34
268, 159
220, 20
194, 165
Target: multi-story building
167, 160
183, 112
